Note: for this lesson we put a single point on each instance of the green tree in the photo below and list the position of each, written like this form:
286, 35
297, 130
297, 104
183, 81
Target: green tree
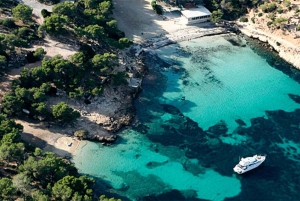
105, 7
40, 109
268, 7
38, 152
65, 8
54, 24
8, 126
22, 12
40, 196
79, 59
11, 105
22, 183
216, 15
48, 169
104, 61
12, 137
124, 42
64, 113
10, 41
94, 32
11, 152
287, 3
279, 21
71, 187
6, 188
39, 53
77, 93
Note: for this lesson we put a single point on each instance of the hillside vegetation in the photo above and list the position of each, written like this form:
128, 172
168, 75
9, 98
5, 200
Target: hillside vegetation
26, 172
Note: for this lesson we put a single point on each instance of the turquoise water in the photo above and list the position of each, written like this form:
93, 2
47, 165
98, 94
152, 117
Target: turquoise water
204, 104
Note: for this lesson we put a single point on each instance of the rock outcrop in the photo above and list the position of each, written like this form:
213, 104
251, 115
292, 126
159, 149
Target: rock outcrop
104, 139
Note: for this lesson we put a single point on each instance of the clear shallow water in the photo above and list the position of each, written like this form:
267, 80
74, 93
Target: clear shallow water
225, 82
236, 103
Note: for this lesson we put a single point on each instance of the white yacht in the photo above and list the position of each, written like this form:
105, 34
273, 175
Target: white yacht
249, 163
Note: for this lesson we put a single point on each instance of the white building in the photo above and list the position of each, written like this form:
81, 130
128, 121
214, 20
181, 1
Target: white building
196, 15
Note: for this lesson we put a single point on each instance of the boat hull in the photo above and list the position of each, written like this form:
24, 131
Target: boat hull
243, 169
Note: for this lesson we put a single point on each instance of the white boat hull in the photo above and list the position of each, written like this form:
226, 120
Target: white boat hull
240, 168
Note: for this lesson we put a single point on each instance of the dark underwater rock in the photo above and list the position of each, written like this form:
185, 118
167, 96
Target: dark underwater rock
218, 129
171, 109
295, 98
240, 122
141, 128
105, 139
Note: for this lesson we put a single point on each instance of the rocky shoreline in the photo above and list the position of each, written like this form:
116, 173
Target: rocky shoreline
286, 51
123, 117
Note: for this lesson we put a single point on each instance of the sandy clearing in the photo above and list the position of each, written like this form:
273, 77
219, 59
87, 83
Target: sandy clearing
52, 139
139, 22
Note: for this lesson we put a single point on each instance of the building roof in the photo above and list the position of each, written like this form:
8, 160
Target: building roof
196, 12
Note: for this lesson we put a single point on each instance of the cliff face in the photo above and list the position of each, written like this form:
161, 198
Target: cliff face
279, 28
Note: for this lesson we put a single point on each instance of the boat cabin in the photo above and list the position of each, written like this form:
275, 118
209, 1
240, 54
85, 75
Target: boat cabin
247, 161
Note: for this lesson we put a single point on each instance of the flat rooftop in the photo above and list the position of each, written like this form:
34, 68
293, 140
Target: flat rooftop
196, 12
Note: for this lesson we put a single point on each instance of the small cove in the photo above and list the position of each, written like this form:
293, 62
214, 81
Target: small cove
213, 101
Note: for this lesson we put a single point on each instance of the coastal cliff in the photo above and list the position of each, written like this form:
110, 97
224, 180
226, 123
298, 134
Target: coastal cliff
286, 50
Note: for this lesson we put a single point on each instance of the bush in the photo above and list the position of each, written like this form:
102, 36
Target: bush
243, 19
124, 42
260, 14
156, 7
269, 23
23, 32
280, 10
45, 13
280, 20
253, 20
22, 12
39, 53
9, 23
35, 56
298, 28
268, 7
81, 134
272, 16
153, 4
287, 3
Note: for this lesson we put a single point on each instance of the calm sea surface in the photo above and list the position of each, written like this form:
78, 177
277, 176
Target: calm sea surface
204, 104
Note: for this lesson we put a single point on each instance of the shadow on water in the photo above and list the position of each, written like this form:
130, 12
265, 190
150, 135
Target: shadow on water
263, 50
